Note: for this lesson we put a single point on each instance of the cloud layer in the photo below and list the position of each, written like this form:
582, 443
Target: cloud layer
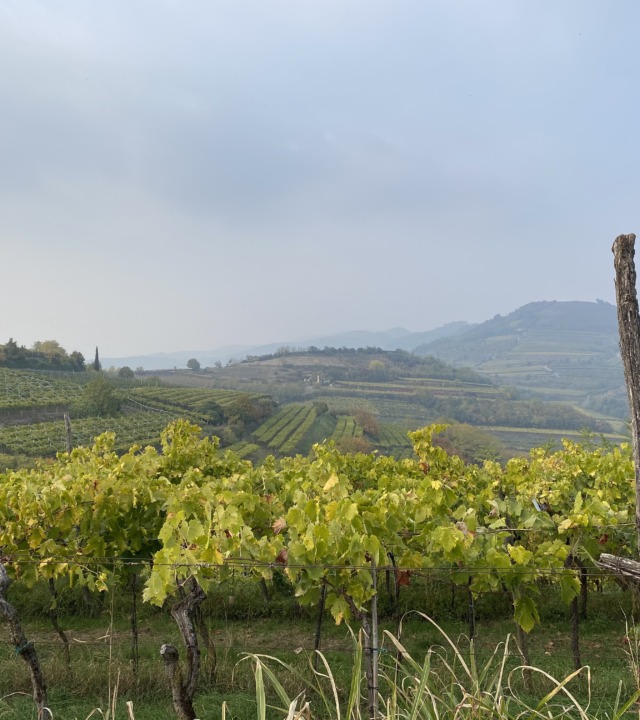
193, 174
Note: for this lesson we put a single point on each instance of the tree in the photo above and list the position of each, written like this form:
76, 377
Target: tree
96, 363
377, 371
352, 445
78, 360
368, 422
51, 349
470, 443
193, 364
98, 397
126, 373
14, 356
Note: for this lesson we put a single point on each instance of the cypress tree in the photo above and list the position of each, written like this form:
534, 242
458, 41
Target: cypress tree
96, 363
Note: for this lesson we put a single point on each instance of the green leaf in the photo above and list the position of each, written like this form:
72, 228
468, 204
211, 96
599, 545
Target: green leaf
525, 613
447, 538
569, 588
195, 531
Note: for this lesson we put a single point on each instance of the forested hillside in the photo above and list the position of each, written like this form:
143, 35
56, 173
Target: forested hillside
555, 350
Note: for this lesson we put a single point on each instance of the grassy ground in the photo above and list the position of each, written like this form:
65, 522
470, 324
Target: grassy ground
240, 623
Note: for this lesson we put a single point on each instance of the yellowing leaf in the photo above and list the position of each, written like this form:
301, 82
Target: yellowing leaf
351, 512
520, 555
331, 482
565, 525
339, 610
447, 538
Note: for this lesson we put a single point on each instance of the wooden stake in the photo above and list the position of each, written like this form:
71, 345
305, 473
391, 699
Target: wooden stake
135, 652
374, 645
23, 647
67, 428
629, 328
53, 615
316, 644
183, 689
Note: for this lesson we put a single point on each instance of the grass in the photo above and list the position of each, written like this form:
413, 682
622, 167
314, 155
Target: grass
447, 683
241, 627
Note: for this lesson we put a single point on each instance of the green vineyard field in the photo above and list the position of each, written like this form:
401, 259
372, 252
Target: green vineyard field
20, 389
48, 438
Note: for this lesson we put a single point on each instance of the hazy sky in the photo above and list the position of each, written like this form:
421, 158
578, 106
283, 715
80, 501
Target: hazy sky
183, 175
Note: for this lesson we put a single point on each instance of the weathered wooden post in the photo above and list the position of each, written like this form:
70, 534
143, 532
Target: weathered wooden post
374, 646
629, 328
183, 689
23, 647
67, 429
321, 606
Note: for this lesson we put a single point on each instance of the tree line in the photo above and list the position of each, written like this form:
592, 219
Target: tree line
43, 355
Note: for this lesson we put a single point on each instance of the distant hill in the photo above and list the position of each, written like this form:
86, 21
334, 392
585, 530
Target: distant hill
559, 351
393, 339
556, 350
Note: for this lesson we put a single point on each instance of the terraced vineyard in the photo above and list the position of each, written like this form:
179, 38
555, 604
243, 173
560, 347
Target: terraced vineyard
359, 400
244, 449
391, 436
287, 428
413, 386
33, 403
48, 438
551, 349
345, 405
347, 427
22, 389
407, 401
196, 400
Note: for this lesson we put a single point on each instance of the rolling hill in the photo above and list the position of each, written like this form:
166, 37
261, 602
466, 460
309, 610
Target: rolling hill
554, 350
395, 391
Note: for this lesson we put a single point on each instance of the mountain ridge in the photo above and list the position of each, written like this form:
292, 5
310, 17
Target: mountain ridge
393, 339
555, 350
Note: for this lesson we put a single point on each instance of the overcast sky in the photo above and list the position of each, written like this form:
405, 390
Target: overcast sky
180, 175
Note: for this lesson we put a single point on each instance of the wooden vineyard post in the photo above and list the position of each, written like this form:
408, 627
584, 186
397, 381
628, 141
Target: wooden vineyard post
53, 616
471, 612
374, 646
135, 650
67, 430
371, 643
629, 328
573, 562
183, 689
23, 647
321, 606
